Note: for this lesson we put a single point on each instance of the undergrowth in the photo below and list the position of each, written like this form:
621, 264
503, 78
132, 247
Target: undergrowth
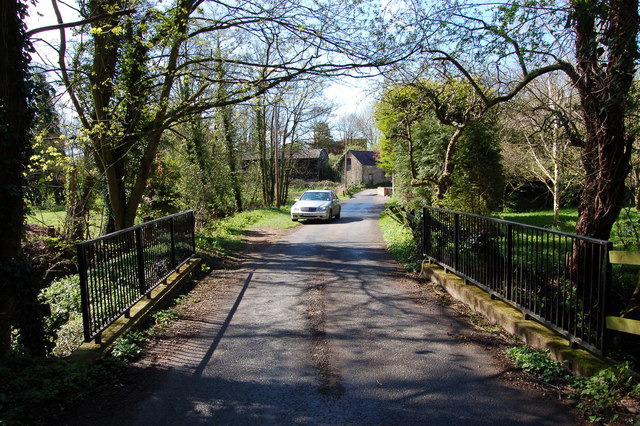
32, 390
537, 363
400, 242
130, 346
598, 396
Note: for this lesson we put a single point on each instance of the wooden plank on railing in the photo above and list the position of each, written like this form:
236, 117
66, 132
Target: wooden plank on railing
624, 324
624, 257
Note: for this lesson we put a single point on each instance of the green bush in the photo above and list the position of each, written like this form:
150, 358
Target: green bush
298, 185
69, 337
64, 325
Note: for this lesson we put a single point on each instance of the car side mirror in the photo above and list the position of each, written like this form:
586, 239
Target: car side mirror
296, 200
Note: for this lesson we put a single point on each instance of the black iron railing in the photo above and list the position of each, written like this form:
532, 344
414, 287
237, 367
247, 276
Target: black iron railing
119, 269
557, 278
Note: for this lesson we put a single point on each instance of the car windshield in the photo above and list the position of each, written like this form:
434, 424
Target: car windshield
318, 196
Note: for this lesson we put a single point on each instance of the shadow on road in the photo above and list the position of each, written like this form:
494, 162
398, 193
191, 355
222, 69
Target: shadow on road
343, 219
223, 328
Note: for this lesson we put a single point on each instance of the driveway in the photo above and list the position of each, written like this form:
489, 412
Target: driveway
323, 329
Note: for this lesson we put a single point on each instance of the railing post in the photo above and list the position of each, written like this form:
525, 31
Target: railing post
606, 336
84, 291
456, 241
425, 233
140, 254
509, 265
193, 232
173, 244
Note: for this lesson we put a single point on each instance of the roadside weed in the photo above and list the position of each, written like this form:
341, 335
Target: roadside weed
598, 396
128, 348
181, 298
537, 363
165, 316
600, 393
400, 242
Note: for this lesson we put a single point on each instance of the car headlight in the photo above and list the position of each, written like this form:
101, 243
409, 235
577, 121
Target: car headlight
295, 208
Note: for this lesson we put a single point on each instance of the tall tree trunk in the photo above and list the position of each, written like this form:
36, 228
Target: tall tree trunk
111, 152
556, 203
232, 160
264, 158
636, 188
604, 90
603, 96
15, 122
79, 201
443, 183
556, 181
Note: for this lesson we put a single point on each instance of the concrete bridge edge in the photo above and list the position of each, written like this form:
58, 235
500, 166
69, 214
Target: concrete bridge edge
532, 333
160, 296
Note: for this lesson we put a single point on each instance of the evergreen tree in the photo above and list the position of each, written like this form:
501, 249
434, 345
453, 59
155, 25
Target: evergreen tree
322, 138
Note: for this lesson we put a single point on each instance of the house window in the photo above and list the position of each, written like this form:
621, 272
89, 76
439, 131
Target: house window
348, 164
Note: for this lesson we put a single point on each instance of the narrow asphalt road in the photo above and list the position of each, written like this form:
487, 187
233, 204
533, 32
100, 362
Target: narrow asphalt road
324, 332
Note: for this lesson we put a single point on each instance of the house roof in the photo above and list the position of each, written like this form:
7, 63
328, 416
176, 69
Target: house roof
366, 158
309, 153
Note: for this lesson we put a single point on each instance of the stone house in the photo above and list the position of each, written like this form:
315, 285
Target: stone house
310, 164
306, 164
362, 168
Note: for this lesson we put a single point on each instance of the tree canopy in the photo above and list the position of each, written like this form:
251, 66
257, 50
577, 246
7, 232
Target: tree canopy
135, 62
501, 47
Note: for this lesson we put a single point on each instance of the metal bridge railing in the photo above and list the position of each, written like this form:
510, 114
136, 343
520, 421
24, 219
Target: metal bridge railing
119, 269
557, 278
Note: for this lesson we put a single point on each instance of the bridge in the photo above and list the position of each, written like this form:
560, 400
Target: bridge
323, 327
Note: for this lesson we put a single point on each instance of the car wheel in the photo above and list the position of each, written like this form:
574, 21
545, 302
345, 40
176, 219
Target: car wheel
295, 220
338, 215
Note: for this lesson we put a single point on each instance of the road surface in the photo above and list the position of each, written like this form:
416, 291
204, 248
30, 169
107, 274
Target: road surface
323, 331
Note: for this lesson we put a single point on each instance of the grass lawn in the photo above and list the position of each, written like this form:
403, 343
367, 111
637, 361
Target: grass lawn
224, 236
56, 217
625, 233
273, 217
47, 218
544, 218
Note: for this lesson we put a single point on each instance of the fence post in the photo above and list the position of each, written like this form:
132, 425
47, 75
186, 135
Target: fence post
456, 240
509, 265
605, 335
193, 232
423, 246
173, 243
140, 254
84, 291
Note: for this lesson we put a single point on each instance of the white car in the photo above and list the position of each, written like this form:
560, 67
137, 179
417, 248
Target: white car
320, 204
